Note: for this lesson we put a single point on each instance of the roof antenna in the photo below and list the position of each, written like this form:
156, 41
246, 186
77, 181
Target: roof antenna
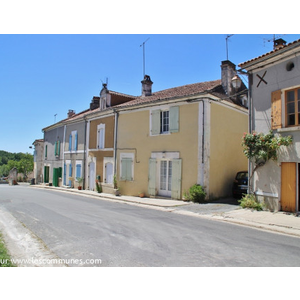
143, 44
227, 37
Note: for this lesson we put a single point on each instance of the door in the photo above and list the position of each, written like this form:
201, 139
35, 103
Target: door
288, 186
46, 174
109, 173
92, 176
165, 178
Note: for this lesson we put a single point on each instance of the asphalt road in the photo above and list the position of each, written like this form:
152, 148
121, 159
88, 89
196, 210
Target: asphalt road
78, 227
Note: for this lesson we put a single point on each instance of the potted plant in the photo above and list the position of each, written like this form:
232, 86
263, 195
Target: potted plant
116, 189
79, 180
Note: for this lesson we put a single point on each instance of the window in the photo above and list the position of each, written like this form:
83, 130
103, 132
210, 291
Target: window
46, 151
100, 136
165, 121
292, 108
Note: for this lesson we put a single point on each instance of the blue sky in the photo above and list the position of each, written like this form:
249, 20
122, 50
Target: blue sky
46, 74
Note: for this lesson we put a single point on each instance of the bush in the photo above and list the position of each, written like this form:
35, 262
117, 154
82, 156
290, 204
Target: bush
196, 194
249, 201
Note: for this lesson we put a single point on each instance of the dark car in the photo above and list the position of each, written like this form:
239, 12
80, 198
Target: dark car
240, 184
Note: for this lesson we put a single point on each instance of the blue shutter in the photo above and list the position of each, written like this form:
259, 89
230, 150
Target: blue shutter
70, 142
78, 171
70, 175
76, 141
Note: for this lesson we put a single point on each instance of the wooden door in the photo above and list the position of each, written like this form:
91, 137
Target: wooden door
288, 186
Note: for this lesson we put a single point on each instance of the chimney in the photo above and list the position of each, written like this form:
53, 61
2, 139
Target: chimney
227, 73
279, 43
71, 113
95, 103
146, 86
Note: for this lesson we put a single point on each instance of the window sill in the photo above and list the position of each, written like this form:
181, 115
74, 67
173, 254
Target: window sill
288, 129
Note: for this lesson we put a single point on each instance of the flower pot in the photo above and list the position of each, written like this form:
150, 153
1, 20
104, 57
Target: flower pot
80, 188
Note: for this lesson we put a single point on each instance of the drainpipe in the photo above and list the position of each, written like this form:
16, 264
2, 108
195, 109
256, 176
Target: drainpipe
84, 152
115, 141
250, 79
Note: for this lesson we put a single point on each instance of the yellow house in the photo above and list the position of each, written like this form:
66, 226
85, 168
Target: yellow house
100, 141
169, 140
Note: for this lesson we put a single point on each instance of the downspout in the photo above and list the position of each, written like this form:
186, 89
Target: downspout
115, 141
250, 79
84, 152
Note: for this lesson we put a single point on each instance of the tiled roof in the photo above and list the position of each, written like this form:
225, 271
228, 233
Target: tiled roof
176, 92
242, 65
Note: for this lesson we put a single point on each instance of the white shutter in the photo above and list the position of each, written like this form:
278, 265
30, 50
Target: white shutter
176, 178
155, 122
174, 119
152, 177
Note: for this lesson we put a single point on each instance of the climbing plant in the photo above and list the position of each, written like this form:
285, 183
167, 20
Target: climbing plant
261, 147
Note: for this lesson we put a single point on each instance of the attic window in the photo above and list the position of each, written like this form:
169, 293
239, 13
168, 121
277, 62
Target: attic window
290, 66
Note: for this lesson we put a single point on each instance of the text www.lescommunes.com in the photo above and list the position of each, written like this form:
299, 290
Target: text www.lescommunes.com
44, 261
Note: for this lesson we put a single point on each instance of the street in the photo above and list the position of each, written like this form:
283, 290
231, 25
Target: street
123, 235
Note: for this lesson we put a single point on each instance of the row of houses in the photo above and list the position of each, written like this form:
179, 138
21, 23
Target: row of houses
159, 143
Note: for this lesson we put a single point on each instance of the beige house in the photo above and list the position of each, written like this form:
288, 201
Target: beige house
169, 140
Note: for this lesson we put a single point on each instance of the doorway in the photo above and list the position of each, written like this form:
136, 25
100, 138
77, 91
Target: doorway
165, 178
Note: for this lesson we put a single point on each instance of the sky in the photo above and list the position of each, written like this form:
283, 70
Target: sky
42, 76
56, 57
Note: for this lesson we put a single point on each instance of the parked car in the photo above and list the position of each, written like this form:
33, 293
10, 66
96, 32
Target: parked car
240, 184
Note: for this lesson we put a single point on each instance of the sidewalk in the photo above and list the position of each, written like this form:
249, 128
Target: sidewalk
280, 222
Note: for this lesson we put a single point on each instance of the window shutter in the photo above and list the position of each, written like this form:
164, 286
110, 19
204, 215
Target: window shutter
176, 178
174, 119
152, 177
76, 141
276, 109
58, 148
78, 171
155, 124
126, 165
70, 174
70, 142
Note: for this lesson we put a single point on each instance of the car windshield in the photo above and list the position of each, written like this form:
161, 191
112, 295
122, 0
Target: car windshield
242, 175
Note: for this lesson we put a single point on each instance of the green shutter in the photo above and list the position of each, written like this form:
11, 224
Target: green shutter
176, 178
126, 164
152, 177
174, 119
155, 124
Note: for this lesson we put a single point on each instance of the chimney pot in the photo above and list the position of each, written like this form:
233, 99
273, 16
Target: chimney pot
146, 86
227, 73
71, 113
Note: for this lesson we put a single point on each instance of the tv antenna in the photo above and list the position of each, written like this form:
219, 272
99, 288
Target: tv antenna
55, 118
143, 44
275, 37
227, 37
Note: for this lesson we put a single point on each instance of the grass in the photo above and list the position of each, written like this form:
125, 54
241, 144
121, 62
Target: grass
5, 259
